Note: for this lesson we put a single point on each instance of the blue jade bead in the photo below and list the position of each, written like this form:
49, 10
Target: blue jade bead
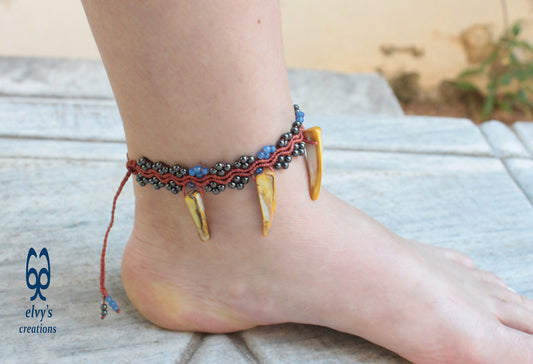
205, 171
271, 148
191, 185
258, 170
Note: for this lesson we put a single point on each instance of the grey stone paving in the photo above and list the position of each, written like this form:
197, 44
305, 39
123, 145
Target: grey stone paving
440, 180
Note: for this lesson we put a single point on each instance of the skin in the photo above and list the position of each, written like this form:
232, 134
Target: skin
198, 82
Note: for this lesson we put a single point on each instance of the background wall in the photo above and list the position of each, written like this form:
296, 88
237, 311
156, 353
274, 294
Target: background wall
342, 35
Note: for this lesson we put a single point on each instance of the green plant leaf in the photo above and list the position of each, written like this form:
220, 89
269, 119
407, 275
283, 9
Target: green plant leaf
505, 79
470, 72
516, 29
466, 86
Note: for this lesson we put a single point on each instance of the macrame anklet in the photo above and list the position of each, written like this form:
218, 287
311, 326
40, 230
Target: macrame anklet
193, 182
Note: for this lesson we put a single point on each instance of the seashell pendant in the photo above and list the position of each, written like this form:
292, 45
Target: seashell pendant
313, 158
266, 190
196, 207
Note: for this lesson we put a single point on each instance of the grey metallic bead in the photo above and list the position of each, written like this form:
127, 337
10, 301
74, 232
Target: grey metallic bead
245, 165
295, 130
219, 166
103, 306
245, 180
237, 164
227, 167
237, 179
183, 171
285, 165
104, 312
168, 187
232, 185
141, 161
148, 164
221, 187
213, 170
213, 184
240, 186
221, 173
244, 159
208, 188
277, 165
281, 159
215, 191
288, 159
251, 159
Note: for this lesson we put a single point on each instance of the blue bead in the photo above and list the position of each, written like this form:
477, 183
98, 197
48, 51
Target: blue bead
271, 148
205, 171
260, 155
192, 172
197, 169
300, 118
258, 170
191, 185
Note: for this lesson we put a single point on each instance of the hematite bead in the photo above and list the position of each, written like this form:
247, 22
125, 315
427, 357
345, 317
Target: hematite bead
144, 168
213, 170
281, 159
295, 130
277, 165
297, 124
240, 186
285, 165
139, 178
169, 187
104, 312
227, 167
232, 185
245, 180
174, 191
158, 165
237, 179
208, 188
148, 164
288, 158
183, 171
244, 159
237, 164
103, 306
251, 159
245, 165
215, 191
219, 166
172, 183
141, 161
221, 173
213, 184
221, 187
156, 187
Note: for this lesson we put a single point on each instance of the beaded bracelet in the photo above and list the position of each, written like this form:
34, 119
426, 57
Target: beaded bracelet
193, 182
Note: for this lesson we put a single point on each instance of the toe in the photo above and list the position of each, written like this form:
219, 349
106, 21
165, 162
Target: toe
459, 258
490, 277
516, 317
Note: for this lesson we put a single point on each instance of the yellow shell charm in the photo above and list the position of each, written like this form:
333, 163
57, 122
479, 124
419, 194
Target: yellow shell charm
196, 208
313, 157
266, 190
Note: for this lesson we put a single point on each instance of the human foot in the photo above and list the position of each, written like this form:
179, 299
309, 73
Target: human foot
323, 263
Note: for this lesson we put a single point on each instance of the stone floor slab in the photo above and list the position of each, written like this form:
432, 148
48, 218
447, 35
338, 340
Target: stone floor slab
503, 141
524, 130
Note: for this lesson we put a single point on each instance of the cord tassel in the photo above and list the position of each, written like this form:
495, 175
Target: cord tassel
103, 290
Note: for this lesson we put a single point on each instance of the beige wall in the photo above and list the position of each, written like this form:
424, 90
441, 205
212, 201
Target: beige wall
343, 35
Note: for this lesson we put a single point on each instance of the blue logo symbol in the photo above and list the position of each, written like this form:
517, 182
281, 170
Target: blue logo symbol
38, 285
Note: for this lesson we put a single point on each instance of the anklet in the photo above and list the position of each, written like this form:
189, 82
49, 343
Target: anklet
193, 182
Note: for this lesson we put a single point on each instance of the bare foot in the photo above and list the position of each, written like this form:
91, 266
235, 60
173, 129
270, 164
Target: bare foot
323, 263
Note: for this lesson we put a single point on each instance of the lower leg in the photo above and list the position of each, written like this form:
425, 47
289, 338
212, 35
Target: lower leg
205, 83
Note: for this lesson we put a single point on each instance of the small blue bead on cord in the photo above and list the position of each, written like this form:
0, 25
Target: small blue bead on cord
112, 303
